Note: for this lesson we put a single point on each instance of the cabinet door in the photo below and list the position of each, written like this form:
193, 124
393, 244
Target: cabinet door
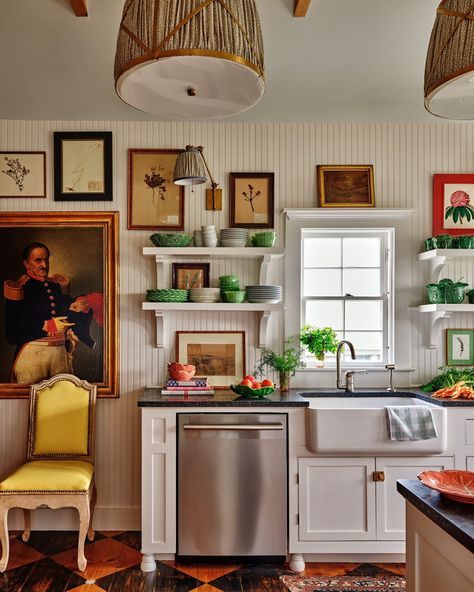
390, 504
336, 499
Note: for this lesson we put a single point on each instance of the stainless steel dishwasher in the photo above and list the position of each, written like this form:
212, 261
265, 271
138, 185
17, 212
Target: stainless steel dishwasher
232, 484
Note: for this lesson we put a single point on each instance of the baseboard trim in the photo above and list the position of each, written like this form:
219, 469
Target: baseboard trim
67, 519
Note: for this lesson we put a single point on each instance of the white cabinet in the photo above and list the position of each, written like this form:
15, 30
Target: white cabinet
435, 313
355, 498
164, 256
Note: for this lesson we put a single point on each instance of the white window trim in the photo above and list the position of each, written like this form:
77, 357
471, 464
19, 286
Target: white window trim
325, 218
387, 245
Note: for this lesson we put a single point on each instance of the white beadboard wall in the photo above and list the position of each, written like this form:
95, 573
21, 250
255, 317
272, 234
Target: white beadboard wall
404, 158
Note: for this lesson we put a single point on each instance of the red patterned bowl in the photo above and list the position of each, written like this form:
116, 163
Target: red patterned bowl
179, 371
456, 485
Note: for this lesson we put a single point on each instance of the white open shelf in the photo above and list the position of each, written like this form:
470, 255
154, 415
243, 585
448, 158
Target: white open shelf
438, 258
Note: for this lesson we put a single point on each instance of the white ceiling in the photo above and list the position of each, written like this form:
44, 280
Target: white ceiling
347, 60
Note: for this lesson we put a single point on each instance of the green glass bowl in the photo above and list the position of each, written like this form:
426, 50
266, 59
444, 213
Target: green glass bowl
234, 296
246, 391
177, 239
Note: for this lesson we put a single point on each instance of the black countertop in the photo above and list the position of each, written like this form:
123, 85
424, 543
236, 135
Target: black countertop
296, 397
152, 397
455, 518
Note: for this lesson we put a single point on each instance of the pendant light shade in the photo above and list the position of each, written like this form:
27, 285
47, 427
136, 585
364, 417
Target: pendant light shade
449, 71
190, 58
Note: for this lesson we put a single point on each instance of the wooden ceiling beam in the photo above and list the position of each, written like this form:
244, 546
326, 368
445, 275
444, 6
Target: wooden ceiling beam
301, 7
79, 7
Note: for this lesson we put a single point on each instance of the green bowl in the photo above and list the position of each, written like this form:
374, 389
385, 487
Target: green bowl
263, 239
178, 239
235, 296
246, 391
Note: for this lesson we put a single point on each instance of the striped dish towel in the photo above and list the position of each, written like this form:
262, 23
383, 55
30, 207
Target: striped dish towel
410, 422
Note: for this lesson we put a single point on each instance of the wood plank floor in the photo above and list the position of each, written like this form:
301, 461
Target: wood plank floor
47, 563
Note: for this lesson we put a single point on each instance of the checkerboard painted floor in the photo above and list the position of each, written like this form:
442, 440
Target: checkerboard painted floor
47, 563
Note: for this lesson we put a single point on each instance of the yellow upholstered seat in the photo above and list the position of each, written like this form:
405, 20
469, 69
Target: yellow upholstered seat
59, 467
57, 476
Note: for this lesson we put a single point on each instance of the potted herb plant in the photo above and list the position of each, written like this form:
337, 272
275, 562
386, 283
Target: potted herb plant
319, 341
285, 364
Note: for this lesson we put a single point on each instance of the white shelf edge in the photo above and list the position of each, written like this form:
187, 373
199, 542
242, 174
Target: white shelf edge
346, 213
443, 308
448, 253
213, 251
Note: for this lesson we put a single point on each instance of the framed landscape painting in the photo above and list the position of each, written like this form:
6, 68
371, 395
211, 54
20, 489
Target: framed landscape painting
60, 309
83, 166
218, 355
154, 201
346, 186
453, 204
22, 174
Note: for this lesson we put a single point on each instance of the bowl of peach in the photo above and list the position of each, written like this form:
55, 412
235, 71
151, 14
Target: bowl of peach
250, 387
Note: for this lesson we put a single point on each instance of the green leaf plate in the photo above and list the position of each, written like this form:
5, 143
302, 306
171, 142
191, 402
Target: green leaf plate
246, 391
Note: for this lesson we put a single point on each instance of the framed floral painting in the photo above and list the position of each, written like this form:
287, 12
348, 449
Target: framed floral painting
251, 200
22, 174
453, 204
154, 201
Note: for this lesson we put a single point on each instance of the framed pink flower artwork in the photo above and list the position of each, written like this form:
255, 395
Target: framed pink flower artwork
453, 204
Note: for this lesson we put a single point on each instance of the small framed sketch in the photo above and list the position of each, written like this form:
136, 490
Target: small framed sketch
190, 275
22, 174
154, 201
346, 186
460, 347
83, 166
251, 200
218, 355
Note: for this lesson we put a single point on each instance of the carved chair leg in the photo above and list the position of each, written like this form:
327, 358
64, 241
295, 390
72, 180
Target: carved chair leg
84, 519
4, 536
90, 532
27, 532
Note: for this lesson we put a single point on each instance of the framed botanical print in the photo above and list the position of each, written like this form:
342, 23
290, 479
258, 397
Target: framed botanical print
60, 299
346, 186
460, 347
453, 206
22, 174
218, 355
190, 275
83, 166
154, 201
251, 200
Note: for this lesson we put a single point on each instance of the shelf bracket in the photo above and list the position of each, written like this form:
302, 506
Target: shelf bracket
434, 319
160, 260
265, 317
436, 267
264, 270
160, 328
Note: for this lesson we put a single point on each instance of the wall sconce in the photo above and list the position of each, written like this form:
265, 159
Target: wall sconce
190, 169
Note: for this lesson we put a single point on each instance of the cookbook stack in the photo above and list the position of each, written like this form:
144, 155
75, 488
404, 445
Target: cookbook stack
198, 385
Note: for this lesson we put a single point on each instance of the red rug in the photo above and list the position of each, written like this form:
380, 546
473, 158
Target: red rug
354, 583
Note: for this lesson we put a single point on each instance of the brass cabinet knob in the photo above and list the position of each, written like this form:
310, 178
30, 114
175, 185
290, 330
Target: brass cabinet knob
378, 476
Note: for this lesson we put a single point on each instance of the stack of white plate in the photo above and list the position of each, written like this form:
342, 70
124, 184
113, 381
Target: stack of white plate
234, 237
204, 294
264, 294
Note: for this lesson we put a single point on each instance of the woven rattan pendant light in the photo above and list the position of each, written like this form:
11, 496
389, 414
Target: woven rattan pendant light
449, 71
190, 58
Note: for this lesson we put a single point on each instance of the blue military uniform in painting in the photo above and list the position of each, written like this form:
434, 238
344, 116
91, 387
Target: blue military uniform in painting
34, 307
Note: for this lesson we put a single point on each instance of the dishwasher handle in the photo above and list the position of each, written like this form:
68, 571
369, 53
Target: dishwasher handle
235, 426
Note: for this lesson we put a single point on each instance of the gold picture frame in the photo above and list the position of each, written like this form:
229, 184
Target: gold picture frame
154, 201
346, 186
80, 286
218, 355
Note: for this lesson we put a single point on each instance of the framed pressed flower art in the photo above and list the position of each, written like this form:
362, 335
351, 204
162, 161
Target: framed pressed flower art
453, 204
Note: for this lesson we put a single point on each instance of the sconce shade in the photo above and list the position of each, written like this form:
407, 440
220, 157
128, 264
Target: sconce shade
449, 76
189, 168
190, 58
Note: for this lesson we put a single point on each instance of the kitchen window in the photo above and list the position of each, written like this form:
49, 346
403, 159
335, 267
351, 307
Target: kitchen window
346, 283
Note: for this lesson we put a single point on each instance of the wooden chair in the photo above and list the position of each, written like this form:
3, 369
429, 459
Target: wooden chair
59, 467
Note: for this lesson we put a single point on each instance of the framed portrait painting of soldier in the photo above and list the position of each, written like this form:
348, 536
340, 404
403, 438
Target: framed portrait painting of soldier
59, 304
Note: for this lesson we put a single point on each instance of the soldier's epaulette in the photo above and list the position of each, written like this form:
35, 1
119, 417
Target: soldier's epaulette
59, 278
13, 290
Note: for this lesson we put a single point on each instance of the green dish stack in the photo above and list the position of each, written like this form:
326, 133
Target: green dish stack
171, 295
228, 283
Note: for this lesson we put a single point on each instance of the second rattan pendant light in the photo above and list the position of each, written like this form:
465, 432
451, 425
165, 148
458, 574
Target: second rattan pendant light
449, 71
190, 58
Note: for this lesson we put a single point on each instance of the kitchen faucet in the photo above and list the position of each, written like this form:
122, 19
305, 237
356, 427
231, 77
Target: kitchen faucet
349, 385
